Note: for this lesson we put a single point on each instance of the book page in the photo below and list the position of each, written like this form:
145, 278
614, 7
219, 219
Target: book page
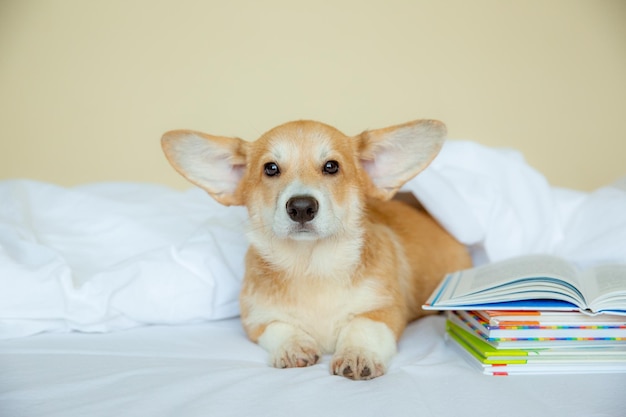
532, 266
610, 278
607, 282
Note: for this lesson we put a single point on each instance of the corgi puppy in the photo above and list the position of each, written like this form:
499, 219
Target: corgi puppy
334, 265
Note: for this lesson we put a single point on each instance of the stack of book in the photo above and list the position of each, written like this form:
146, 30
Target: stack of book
524, 342
536, 314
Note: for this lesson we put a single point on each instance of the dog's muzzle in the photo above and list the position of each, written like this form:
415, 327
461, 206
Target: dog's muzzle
302, 209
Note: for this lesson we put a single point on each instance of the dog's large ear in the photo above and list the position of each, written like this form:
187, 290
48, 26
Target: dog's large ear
394, 155
214, 163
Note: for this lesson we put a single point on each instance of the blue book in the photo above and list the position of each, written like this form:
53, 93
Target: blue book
533, 282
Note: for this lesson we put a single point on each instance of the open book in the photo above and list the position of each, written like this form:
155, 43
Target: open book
533, 282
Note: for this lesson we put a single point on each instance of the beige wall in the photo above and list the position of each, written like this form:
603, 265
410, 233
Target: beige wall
88, 87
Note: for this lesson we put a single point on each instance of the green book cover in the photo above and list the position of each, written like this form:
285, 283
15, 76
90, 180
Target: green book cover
481, 350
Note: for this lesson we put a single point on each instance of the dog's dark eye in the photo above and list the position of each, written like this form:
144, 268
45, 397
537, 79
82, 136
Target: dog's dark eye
331, 167
271, 169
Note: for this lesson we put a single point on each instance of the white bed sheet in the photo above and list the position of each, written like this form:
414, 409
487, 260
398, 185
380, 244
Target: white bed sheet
211, 369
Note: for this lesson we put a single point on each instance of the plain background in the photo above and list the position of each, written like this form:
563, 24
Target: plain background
87, 88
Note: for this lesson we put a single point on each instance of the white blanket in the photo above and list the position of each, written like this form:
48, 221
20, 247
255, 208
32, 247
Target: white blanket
104, 257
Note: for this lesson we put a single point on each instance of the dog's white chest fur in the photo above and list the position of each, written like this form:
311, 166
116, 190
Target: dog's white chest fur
322, 308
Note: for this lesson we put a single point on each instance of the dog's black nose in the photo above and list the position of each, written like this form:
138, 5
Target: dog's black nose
302, 209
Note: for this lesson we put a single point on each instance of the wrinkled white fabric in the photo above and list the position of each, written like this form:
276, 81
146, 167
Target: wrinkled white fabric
494, 202
110, 256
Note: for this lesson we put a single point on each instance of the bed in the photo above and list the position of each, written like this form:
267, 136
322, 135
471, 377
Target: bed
120, 299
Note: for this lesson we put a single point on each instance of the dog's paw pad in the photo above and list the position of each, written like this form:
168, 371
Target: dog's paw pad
296, 355
357, 365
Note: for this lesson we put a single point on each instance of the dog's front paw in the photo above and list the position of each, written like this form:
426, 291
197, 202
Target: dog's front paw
295, 354
289, 346
357, 364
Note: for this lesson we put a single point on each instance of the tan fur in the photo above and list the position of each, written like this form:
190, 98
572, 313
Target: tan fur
349, 280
